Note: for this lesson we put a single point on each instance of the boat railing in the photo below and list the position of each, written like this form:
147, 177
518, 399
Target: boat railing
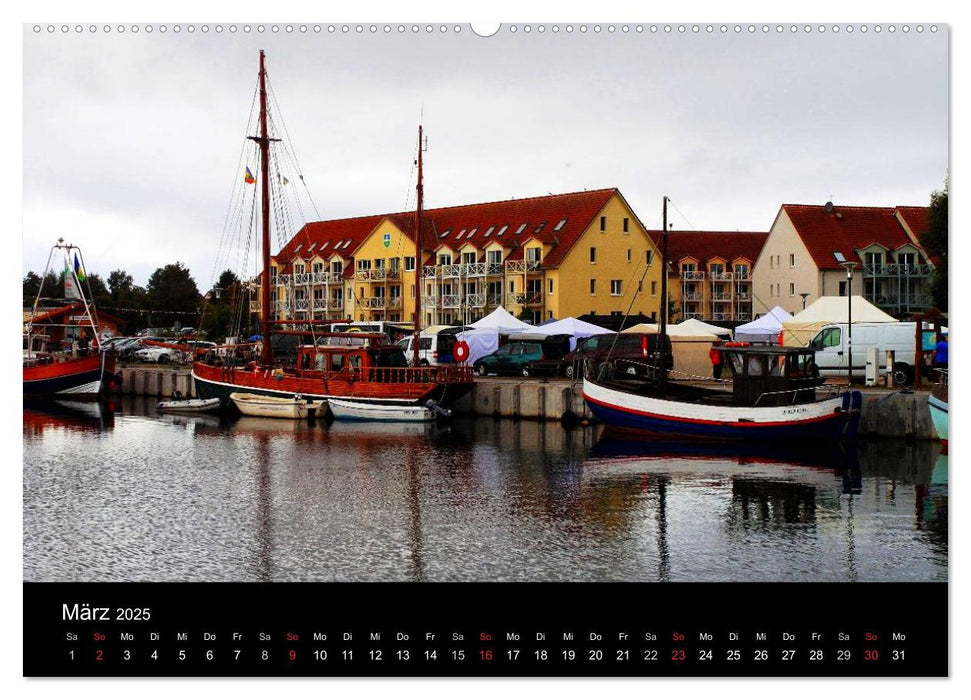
794, 395
433, 374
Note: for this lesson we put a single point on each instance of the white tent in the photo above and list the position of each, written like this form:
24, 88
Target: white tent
764, 329
801, 328
643, 328
693, 327
501, 321
481, 343
573, 327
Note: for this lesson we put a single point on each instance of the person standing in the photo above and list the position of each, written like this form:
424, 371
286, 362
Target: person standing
940, 353
715, 355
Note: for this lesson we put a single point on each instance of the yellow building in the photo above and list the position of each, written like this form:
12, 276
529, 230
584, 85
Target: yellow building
540, 258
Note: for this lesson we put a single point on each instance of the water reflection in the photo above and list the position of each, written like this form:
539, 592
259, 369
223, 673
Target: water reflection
199, 498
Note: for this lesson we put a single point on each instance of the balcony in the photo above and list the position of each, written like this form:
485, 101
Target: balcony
494, 299
722, 276
301, 304
720, 316
525, 298
924, 270
377, 275
450, 301
692, 296
693, 314
282, 280
476, 300
522, 266
429, 271
325, 277
721, 297
373, 302
328, 304
692, 275
743, 316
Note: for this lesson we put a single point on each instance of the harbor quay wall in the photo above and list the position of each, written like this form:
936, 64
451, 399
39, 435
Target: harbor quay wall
895, 414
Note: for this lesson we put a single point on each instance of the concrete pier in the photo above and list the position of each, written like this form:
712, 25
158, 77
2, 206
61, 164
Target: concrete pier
893, 414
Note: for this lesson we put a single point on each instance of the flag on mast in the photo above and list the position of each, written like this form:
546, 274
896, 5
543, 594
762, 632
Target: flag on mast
78, 270
248, 177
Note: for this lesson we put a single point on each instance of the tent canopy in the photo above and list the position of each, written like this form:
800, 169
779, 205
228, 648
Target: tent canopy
643, 328
801, 328
501, 321
693, 327
575, 328
763, 329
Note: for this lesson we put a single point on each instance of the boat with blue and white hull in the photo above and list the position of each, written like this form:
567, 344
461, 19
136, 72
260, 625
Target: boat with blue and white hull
937, 404
387, 413
773, 397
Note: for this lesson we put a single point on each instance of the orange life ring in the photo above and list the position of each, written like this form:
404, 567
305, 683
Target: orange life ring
460, 351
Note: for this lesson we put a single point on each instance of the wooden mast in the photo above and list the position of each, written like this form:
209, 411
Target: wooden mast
264, 141
663, 329
416, 344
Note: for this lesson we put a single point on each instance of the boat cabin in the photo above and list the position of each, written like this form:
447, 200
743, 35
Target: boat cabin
346, 361
771, 375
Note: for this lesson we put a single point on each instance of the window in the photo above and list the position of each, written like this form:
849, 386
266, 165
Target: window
272, 275
549, 284
312, 246
412, 291
615, 288
502, 230
792, 259
649, 257
593, 255
593, 286
829, 338
653, 288
489, 231
512, 286
873, 260
626, 225
337, 267
520, 229
771, 263
297, 249
628, 255
318, 267
560, 225
468, 258
494, 256
299, 269
533, 254
640, 286
472, 232
447, 231
741, 271
444, 259
603, 223
324, 245
540, 227
792, 289
409, 264
843, 288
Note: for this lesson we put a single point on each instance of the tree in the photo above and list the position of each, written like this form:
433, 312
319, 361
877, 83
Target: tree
172, 294
32, 284
222, 303
119, 284
934, 241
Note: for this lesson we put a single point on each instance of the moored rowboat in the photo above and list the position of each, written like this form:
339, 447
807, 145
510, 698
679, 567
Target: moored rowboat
261, 406
179, 405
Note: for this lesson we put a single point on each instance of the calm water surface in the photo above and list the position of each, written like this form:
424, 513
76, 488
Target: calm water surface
135, 496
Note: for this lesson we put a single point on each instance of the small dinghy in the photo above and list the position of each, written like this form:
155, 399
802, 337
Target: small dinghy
180, 404
294, 407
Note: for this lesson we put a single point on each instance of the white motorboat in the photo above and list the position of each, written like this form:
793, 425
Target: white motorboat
183, 405
362, 411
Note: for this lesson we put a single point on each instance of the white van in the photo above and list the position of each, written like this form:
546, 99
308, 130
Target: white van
831, 351
434, 345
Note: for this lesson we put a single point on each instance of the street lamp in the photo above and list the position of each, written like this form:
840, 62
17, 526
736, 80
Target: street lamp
848, 266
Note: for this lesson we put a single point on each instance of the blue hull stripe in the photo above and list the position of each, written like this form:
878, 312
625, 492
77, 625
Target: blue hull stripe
54, 385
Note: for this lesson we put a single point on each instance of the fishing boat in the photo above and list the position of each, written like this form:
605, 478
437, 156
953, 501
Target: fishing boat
369, 370
180, 404
937, 404
61, 354
262, 406
773, 396
363, 411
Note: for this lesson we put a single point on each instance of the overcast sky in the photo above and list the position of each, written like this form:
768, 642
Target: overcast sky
132, 141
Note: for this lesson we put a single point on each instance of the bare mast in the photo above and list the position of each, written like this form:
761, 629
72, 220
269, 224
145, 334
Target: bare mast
416, 344
264, 142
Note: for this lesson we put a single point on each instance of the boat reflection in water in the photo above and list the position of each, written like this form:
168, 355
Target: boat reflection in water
196, 499
78, 416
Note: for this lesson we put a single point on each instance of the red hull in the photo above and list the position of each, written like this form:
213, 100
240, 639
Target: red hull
375, 384
77, 376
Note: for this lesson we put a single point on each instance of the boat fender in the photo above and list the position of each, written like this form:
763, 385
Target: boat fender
460, 351
278, 374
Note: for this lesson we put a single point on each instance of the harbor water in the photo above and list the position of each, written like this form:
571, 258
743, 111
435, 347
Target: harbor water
132, 495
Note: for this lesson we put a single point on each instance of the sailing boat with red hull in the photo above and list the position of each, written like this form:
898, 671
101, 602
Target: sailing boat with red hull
356, 367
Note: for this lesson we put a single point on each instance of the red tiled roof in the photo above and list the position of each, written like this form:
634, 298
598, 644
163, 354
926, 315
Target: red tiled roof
845, 230
577, 209
705, 245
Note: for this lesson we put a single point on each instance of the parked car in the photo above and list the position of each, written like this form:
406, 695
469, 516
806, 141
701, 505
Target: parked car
516, 356
158, 355
630, 353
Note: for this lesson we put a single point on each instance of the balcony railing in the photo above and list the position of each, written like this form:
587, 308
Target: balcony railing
328, 304
693, 314
428, 271
476, 300
720, 316
493, 299
525, 298
924, 270
722, 276
450, 301
377, 275
521, 266
721, 297
692, 296
743, 316
283, 280
692, 275
301, 304
451, 270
